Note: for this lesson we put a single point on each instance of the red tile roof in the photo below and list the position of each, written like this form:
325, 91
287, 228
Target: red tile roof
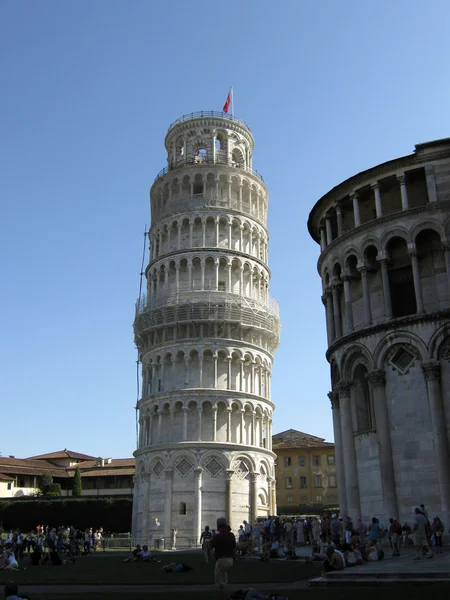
5, 477
25, 466
62, 454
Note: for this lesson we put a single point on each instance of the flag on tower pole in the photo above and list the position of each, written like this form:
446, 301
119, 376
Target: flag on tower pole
226, 106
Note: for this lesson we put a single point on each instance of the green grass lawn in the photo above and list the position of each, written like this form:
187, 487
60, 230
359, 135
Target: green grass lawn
105, 568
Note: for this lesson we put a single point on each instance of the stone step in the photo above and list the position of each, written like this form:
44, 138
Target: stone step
388, 580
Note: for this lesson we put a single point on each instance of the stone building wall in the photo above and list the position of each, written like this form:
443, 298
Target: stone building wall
386, 292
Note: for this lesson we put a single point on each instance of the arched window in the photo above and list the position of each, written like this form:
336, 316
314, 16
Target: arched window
361, 396
401, 281
182, 508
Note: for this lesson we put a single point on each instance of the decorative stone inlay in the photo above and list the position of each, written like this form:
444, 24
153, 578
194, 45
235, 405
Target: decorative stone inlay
242, 471
183, 467
402, 360
213, 467
158, 468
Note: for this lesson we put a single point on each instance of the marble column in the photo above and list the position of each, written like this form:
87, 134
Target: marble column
339, 453
377, 381
432, 371
185, 411
349, 453
446, 251
431, 183
366, 295
348, 303
229, 411
229, 496
327, 300
241, 429
355, 199
323, 239
403, 191
339, 218
135, 509
328, 230
168, 505
253, 498
417, 282
376, 190
145, 482
214, 415
337, 309
199, 424
386, 288
198, 504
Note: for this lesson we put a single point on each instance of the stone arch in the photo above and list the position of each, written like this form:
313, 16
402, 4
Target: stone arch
354, 353
178, 456
397, 232
247, 459
398, 338
428, 224
439, 338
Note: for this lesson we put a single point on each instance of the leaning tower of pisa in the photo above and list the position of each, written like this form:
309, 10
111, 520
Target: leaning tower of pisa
206, 333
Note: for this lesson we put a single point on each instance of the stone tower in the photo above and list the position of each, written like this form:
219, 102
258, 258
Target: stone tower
385, 267
206, 333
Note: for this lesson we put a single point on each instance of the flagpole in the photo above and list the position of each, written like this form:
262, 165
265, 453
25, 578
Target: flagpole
232, 102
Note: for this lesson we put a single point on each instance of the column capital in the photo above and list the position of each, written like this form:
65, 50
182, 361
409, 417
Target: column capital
168, 473
198, 472
446, 246
431, 369
343, 389
377, 378
375, 185
337, 206
354, 195
334, 399
401, 179
254, 477
229, 474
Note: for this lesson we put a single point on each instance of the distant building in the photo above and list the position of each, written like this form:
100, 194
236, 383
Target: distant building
100, 476
305, 473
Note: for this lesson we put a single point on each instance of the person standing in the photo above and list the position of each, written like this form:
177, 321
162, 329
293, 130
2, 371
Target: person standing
205, 542
420, 535
395, 531
437, 529
224, 546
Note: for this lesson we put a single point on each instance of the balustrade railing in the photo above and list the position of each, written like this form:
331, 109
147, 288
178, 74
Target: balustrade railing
208, 113
206, 160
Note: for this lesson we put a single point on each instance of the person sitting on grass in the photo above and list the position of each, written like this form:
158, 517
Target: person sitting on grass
9, 560
174, 568
135, 555
273, 552
371, 551
333, 561
146, 555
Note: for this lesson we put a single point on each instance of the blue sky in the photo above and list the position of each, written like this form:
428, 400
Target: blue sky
88, 90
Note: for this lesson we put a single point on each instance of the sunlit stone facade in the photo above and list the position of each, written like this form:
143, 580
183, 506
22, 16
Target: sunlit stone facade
385, 269
206, 333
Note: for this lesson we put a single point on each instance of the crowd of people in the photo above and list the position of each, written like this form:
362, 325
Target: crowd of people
47, 545
335, 540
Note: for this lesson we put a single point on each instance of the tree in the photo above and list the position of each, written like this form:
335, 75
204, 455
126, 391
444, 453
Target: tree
77, 485
45, 484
